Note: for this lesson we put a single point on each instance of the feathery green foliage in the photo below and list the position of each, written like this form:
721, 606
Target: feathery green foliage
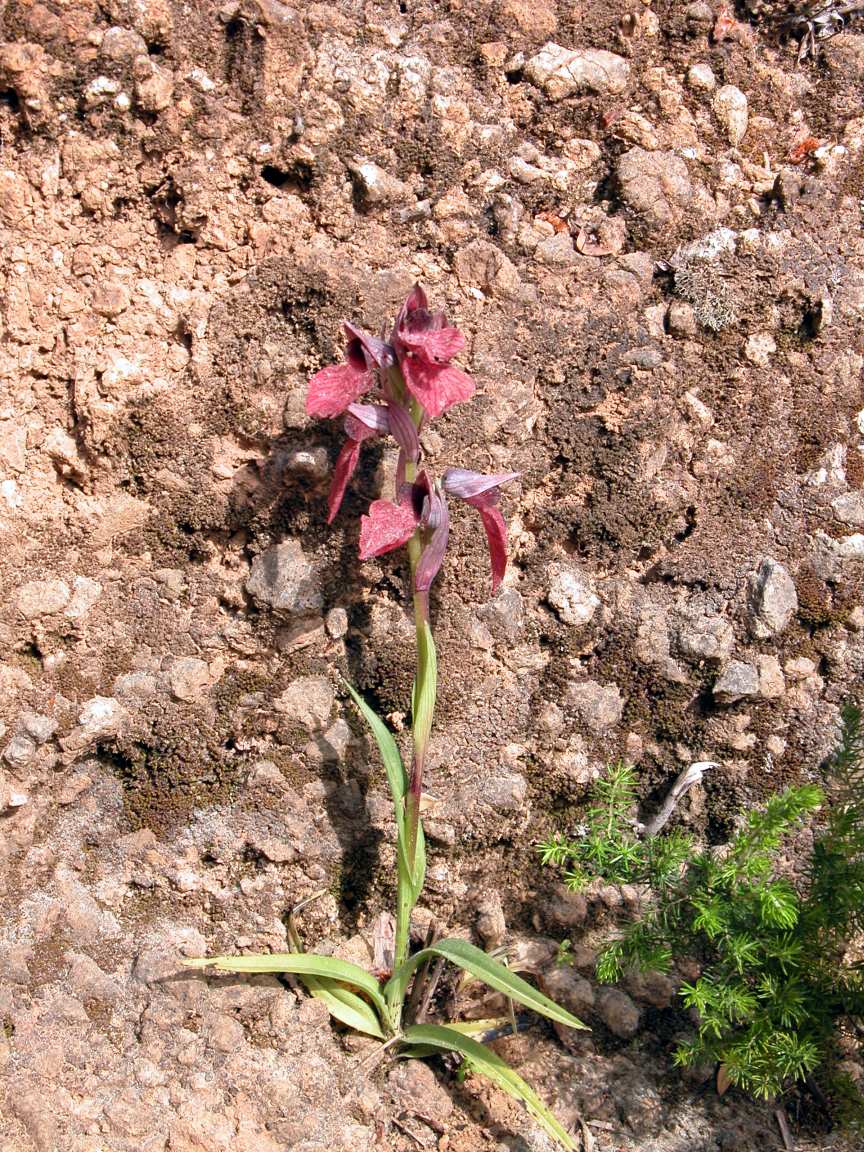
774, 981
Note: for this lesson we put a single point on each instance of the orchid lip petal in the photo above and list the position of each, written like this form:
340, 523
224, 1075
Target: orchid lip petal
470, 486
386, 526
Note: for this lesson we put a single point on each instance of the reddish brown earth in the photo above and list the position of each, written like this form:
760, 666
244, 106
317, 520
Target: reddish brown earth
187, 213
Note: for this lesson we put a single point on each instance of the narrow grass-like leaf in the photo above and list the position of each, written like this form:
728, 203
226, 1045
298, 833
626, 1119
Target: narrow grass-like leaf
425, 687
299, 964
482, 967
398, 781
345, 1006
387, 746
486, 1062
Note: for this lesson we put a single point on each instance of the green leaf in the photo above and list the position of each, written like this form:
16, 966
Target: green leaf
397, 778
345, 1006
484, 968
489, 1064
299, 964
393, 766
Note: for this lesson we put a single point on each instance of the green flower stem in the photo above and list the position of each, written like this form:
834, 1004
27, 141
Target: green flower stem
422, 711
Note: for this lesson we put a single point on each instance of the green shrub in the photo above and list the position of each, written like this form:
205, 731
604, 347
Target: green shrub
776, 982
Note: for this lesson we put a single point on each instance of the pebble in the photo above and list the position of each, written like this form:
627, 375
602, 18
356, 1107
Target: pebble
771, 599
730, 108
307, 702
122, 44
375, 186
491, 925
701, 78
19, 751
563, 72
42, 598
618, 1012
849, 507
566, 987
570, 594
285, 579
738, 681
600, 706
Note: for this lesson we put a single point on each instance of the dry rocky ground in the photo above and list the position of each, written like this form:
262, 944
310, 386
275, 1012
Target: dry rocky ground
647, 220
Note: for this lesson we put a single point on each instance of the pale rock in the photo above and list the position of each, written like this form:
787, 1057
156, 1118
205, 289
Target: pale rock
730, 108
42, 598
491, 925
188, 677
335, 742
336, 622
110, 298
759, 349
377, 187
738, 681
656, 185
122, 44
154, 87
600, 706
19, 751
285, 579
571, 595
849, 507
772, 683
556, 250
37, 727
482, 265
771, 599
700, 78
307, 702
85, 593
563, 72
704, 634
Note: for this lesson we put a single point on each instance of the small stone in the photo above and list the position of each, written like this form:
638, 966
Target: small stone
415, 1083
759, 348
700, 78
654, 988
506, 793
135, 686
566, 987
335, 742
285, 579
565, 910
110, 298
730, 108
10, 796
618, 1012
656, 185
600, 706
307, 702
737, 682
336, 622
849, 507
85, 593
772, 683
491, 925
482, 265
799, 668
699, 15
563, 72
154, 87
122, 44
19, 751
42, 598
681, 319
37, 727
705, 635
571, 595
188, 677
771, 599
556, 250
375, 186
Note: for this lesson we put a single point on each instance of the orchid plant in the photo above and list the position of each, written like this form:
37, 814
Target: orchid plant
406, 382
